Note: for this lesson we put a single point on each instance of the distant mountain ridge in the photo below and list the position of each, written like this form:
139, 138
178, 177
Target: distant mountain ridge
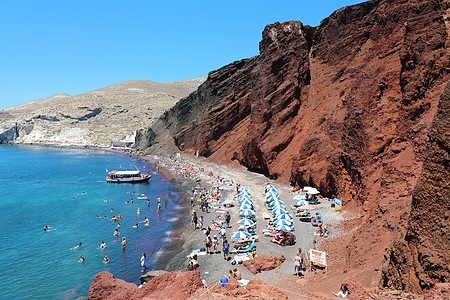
107, 115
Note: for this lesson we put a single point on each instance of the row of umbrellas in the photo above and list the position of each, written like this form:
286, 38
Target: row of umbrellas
283, 220
246, 209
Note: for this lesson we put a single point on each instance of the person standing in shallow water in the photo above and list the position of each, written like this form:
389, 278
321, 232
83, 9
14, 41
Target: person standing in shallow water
143, 262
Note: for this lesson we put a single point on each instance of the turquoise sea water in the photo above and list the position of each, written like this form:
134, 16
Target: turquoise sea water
37, 188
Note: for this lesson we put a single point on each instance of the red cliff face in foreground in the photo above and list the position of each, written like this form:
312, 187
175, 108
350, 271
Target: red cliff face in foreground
346, 106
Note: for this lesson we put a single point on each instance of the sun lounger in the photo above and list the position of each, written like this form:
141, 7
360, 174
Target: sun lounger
266, 216
249, 248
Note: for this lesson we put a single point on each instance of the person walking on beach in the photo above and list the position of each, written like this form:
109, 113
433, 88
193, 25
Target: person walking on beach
225, 249
143, 262
200, 222
223, 232
208, 243
228, 218
215, 243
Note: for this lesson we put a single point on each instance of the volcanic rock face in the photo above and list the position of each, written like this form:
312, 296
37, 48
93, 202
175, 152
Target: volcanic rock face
421, 260
345, 106
98, 117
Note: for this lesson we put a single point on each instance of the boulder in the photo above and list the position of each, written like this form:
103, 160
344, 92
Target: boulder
264, 263
150, 275
105, 286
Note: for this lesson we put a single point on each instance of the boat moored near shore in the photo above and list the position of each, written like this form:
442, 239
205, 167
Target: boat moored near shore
127, 177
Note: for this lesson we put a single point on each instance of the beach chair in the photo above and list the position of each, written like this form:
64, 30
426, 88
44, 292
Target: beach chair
303, 215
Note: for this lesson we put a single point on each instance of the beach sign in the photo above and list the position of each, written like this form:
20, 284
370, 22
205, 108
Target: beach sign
318, 257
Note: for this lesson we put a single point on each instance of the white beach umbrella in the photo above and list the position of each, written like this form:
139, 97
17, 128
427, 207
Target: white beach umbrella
246, 222
283, 228
275, 202
272, 189
282, 222
271, 193
245, 206
272, 198
244, 188
283, 217
246, 201
240, 235
247, 212
244, 197
279, 211
301, 202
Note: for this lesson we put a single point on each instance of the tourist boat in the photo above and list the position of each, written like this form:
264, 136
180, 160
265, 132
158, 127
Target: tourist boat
127, 177
143, 197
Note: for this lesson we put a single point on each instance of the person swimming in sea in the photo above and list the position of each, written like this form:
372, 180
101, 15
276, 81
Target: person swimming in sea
136, 226
45, 228
106, 259
80, 244
103, 245
159, 206
81, 260
116, 232
138, 211
124, 243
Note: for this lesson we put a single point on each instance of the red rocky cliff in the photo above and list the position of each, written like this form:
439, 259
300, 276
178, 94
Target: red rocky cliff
345, 106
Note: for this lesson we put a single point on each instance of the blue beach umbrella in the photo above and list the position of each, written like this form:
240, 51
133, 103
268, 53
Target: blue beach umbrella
246, 222
282, 222
272, 189
275, 202
271, 193
240, 235
283, 228
244, 197
279, 206
284, 217
246, 201
247, 212
267, 186
273, 198
244, 193
279, 211
244, 188
245, 206
301, 202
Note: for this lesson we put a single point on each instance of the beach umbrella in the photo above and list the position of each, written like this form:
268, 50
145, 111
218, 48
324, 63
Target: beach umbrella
246, 222
245, 206
272, 189
247, 212
273, 197
284, 217
268, 186
228, 202
271, 193
275, 202
299, 197
306, 207
240, 235
244, 193
301, 202
311, 190
278, 207
244, 197
246, 201
283, 228
282, 222
279, 211
244, 188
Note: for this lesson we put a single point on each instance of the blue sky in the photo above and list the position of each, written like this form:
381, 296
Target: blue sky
50, 47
